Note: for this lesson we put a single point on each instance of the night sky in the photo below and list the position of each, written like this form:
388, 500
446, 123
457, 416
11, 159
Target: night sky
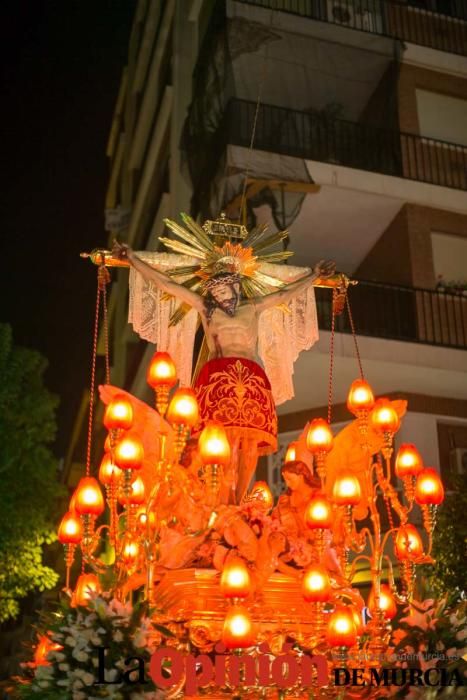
61, 70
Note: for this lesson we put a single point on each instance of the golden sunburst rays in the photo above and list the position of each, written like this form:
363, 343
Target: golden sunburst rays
195, 236
244, 259
230, 257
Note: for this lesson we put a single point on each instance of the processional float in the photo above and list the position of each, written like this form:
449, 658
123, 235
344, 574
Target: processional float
219, 560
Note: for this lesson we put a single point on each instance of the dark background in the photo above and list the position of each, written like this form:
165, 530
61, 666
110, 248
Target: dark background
60, 72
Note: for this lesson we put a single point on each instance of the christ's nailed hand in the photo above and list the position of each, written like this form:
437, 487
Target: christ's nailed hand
120, 250
325, 268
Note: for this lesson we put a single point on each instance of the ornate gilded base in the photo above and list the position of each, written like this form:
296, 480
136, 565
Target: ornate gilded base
192, 598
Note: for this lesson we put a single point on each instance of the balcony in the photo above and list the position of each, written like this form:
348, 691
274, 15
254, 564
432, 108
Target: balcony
313, 136
401, 313
437, 24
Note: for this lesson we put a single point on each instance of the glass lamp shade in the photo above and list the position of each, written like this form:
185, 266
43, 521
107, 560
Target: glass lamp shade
318, 513
145, 520
341, 631
360, 398
319, 436
137, 494
235, 579
429, 490
119, 414
384, 417
409, 545
44, 646
357, 618
129, 453
213, 444
86, 586
291, 453
108, 443
408, 461
346, 490
72, 504
387, 603
316, 584
88, 498
161, 371
130, 551
70, 530
183, 408
109, 473
238, 628
262, 493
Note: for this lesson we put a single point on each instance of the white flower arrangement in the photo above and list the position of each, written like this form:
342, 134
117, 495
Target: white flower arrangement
431, 635
71, 672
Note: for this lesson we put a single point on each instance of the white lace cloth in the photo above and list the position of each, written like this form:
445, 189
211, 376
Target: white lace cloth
281, 336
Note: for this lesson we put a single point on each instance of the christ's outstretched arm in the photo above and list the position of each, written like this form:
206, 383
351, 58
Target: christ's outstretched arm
163, 282
283, 296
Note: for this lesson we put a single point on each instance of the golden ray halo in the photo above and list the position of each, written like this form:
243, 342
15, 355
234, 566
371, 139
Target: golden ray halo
217, 254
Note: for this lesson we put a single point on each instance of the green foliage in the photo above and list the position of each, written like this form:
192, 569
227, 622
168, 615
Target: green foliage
449, 574
432, 635
27, 474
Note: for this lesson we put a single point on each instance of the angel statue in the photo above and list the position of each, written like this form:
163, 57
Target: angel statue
255, 313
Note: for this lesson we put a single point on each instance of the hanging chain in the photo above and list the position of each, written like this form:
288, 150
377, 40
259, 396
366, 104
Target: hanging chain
106, 325
354, 336
103, 278
331, 355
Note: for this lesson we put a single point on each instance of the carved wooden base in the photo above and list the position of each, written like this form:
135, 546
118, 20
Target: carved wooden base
191, 599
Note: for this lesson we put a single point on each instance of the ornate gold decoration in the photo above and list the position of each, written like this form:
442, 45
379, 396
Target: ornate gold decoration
224, 228
232, 258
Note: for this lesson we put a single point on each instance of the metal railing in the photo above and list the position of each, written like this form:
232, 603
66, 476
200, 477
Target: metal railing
433, 23
401, 313
313, 136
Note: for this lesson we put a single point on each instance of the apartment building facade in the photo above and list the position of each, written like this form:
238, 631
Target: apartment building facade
359, 114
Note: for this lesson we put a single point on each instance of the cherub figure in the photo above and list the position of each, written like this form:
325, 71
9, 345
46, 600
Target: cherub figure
301, 487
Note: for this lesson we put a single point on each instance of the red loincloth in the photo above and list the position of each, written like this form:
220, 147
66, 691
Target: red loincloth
237, 393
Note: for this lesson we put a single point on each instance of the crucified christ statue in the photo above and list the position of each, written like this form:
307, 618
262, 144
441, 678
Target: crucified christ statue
230, 322
232, 386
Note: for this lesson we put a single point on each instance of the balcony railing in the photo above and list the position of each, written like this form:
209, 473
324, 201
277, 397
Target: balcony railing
438, 24
313, 136
401, 313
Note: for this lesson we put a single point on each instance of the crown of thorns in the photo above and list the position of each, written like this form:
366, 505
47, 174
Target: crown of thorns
221, 279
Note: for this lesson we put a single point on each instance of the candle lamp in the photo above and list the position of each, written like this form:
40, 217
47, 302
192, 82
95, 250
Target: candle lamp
360, 402
183, 416
70, 534
214, 450
238, 630
319, 441
86, 586
235, 580
162, 377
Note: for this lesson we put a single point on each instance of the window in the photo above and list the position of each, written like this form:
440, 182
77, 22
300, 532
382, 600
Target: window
442, 117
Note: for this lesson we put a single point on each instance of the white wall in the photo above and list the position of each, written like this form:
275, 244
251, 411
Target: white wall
421, 429
449, 256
